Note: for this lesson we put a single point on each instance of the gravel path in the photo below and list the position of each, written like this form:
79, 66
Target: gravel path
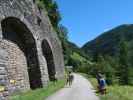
81, 89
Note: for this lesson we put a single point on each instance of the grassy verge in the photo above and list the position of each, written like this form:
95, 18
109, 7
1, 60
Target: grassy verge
118, 93
40, 94
115, 92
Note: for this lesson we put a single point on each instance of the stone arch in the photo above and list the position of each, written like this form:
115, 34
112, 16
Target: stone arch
48, 54
17, 32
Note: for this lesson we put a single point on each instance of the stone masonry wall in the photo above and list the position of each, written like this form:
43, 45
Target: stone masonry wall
13, 66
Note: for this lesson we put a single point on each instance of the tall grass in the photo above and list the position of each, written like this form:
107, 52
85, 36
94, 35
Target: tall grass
118, 93
115, 92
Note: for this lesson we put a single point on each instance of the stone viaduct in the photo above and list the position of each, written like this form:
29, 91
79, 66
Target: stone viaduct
30, 51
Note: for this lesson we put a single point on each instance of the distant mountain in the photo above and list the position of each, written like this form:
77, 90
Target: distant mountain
108, 42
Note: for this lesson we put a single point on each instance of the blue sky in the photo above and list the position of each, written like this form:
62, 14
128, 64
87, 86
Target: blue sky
86, 19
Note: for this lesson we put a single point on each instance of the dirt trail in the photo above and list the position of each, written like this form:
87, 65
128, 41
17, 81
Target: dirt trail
81, 89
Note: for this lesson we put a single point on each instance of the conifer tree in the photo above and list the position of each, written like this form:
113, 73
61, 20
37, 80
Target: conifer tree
124, 67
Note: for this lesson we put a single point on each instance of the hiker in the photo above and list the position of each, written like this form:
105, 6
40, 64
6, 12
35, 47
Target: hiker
102, 86
101, 83
70, 78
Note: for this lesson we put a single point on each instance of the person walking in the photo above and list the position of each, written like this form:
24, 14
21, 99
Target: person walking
70, 78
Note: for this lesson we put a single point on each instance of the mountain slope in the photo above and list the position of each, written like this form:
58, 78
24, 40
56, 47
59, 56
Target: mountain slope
108, 42
74, 48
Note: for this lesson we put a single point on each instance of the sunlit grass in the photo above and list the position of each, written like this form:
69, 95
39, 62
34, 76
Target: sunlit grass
40, 94
118, 93
115, 92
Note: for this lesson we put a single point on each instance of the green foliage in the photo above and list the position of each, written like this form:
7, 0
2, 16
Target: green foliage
104, 66
40, 4
73, 55
115, 92
108, 43
62, 34
39, 94
53, 12
78, 62
117, 50
55, 17
124, 67
116, 69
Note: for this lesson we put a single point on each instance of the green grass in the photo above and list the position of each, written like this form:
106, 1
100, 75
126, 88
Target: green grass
118, 93
39, 94
115, 92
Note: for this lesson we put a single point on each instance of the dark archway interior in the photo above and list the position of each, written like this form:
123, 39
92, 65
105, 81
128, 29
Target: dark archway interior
17, 32
47, 52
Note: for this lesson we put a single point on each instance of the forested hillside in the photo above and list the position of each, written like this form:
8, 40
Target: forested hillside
112, 53
108, 42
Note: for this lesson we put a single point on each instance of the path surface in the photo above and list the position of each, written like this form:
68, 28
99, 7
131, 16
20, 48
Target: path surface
81, 89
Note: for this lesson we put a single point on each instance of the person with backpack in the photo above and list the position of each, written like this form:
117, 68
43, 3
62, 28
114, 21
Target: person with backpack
70, 78
102, 86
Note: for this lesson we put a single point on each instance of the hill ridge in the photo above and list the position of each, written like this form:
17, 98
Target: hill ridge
108, 42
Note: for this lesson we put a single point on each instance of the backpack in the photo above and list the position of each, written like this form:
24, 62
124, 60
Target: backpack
102, 82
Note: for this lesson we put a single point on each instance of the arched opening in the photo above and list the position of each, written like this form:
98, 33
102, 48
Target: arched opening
47, 52
17, 32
